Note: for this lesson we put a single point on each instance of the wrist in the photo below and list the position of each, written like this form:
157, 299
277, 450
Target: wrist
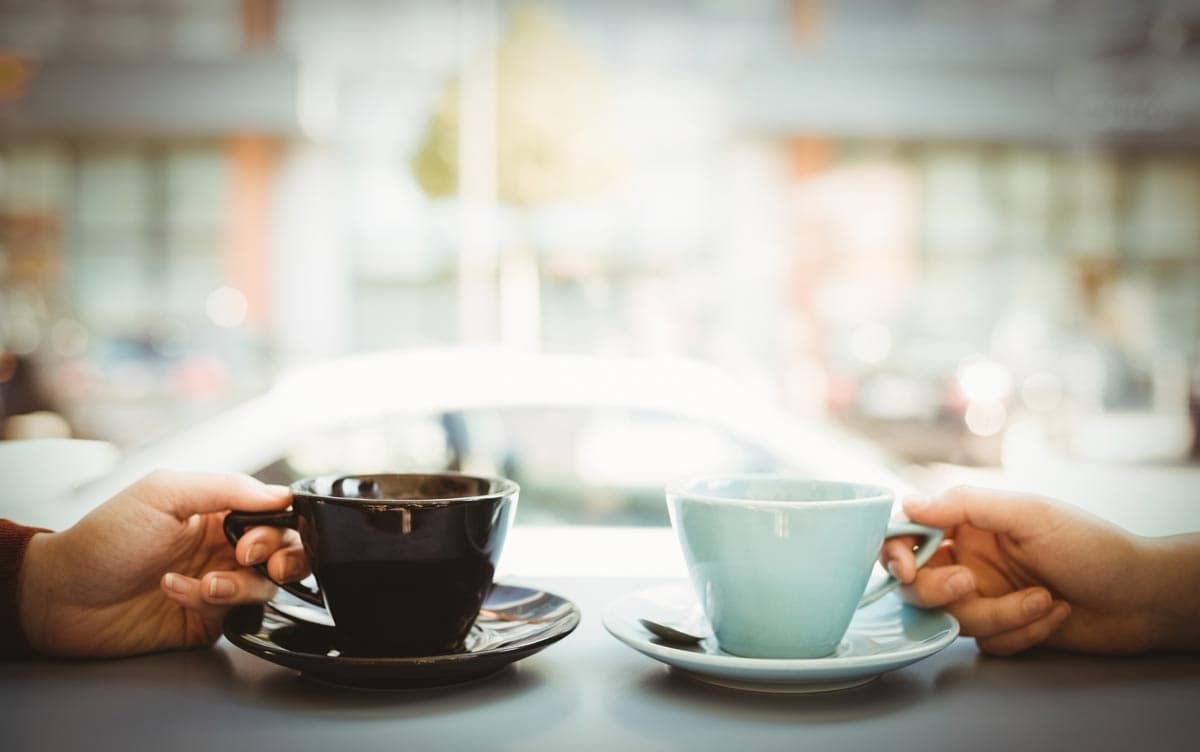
35, 589
1170, 573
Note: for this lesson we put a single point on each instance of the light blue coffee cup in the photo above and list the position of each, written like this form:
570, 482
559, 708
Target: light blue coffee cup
780, 564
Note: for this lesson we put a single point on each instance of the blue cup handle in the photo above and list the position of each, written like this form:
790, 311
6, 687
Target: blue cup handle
933, 539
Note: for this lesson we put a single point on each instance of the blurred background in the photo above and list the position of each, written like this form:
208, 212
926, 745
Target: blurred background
965, 234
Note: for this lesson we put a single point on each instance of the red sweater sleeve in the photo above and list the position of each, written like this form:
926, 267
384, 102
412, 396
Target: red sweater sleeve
13, 539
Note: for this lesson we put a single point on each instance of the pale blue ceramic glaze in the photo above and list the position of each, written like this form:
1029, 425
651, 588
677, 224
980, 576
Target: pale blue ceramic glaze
780, 564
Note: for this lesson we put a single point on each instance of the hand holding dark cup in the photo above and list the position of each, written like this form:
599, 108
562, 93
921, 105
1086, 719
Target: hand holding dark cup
150, 569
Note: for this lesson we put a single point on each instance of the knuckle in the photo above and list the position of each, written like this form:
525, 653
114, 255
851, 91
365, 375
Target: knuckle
1010, 619
971, 624
998, 648
153, 489
1004, 614
257, 534
157, 478
920, 594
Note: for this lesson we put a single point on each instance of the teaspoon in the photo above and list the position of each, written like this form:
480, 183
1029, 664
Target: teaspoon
671, 634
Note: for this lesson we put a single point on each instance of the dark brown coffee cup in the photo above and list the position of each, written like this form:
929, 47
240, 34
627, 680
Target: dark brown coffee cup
402, 561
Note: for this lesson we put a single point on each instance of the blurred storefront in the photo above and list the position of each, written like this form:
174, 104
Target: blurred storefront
944, 224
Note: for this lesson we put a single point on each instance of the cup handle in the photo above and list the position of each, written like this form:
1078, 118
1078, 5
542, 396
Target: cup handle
236, 524
933, 539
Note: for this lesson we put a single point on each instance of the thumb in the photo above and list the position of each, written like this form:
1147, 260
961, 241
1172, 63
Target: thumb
987, 509
182, 494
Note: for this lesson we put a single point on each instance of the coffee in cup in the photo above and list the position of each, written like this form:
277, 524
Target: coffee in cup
402, 561
780, 564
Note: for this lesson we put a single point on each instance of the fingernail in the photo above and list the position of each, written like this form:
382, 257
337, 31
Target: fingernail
893, 568
219, 587
1062, 610
175, 584
1035, 604
255, 554
274, 489
960, 584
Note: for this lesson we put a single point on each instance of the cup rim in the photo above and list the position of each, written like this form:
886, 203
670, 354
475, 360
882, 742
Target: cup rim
504, 487
874, 493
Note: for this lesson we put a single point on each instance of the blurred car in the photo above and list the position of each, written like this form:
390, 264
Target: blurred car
591, 440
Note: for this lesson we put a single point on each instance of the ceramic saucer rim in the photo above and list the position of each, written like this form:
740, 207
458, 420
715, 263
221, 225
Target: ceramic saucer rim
639, 639
560, 628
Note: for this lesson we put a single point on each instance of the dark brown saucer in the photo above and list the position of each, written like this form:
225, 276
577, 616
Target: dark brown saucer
514, 622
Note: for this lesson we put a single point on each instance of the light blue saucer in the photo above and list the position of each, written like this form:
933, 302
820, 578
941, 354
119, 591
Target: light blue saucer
883, 636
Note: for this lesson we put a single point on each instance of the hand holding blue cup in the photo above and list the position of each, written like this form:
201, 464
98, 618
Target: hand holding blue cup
780, 564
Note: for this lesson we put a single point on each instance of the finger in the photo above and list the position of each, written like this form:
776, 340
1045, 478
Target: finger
1014, 641
186, 591
288, 565
236, 587
259, 543
987, 509
183, 494
898, 558
986, 617
938, 586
